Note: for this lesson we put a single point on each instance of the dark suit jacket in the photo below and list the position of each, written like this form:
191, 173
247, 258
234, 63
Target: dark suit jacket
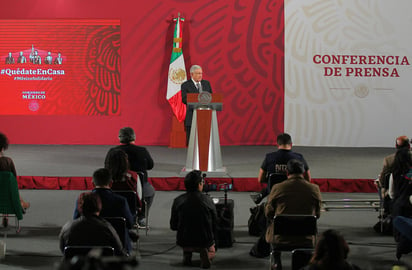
194, 218
188, 87
9, 60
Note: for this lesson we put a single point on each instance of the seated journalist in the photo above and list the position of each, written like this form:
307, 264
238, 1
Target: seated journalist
123, 178
90, 229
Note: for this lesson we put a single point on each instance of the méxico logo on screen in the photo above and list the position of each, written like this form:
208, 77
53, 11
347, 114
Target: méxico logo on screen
33, 64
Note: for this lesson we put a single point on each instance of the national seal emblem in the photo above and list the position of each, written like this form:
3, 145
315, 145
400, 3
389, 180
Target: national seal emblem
177, 75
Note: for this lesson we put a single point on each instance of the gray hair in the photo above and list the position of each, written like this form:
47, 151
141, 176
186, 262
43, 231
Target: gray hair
194, 67
295, 166
126, 135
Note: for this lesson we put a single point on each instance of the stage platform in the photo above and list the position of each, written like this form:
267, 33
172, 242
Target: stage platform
69, 167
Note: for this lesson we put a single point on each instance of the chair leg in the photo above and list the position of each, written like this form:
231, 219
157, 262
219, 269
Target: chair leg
5, 222
274, 260
2, 249
381, 208
146, 215
187, 258
146, 218
18, 228
271, 261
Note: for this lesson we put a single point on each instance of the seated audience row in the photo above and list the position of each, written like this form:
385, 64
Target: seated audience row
113, 205
395, 181
122, 165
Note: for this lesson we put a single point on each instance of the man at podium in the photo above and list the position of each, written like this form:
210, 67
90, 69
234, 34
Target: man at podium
195, 85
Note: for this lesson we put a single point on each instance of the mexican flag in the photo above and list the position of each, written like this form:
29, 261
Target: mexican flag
177, 73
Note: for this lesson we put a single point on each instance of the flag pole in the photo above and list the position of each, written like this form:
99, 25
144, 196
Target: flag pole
178, 71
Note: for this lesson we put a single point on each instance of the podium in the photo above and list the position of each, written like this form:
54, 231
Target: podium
203, 152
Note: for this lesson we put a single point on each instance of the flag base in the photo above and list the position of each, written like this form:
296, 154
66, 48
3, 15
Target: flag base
221, 172
177, 134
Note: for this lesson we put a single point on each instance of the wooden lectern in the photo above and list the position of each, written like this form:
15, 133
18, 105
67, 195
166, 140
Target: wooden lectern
203, 152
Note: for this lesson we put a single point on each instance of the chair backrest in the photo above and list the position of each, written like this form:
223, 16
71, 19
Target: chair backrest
276, 178
71, 251
9, 195
139, 185
295, 225
119, 224
131, 198
301, 257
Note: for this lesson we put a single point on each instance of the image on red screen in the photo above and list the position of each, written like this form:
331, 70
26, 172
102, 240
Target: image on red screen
60, 67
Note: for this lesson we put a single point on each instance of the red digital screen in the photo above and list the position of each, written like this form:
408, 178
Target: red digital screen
60, 67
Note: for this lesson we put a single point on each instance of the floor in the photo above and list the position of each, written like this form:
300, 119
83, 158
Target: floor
36, 246
239, 161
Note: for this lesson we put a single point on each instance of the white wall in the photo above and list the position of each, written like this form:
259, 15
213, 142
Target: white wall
347, 110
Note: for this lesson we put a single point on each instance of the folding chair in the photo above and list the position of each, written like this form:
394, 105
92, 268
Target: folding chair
139, 188
293, 226
10, 199
140, 178
71, 251
119, 224
131, 198
273, 179
381, 202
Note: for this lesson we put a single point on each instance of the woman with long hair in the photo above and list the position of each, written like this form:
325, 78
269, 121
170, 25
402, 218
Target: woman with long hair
331, 252
123, 178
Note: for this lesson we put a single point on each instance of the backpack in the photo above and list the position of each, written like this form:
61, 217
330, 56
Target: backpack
408, 175
257, 220
384, 226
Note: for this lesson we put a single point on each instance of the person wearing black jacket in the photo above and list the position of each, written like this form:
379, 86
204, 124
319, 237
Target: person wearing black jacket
194, 218
90, 229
